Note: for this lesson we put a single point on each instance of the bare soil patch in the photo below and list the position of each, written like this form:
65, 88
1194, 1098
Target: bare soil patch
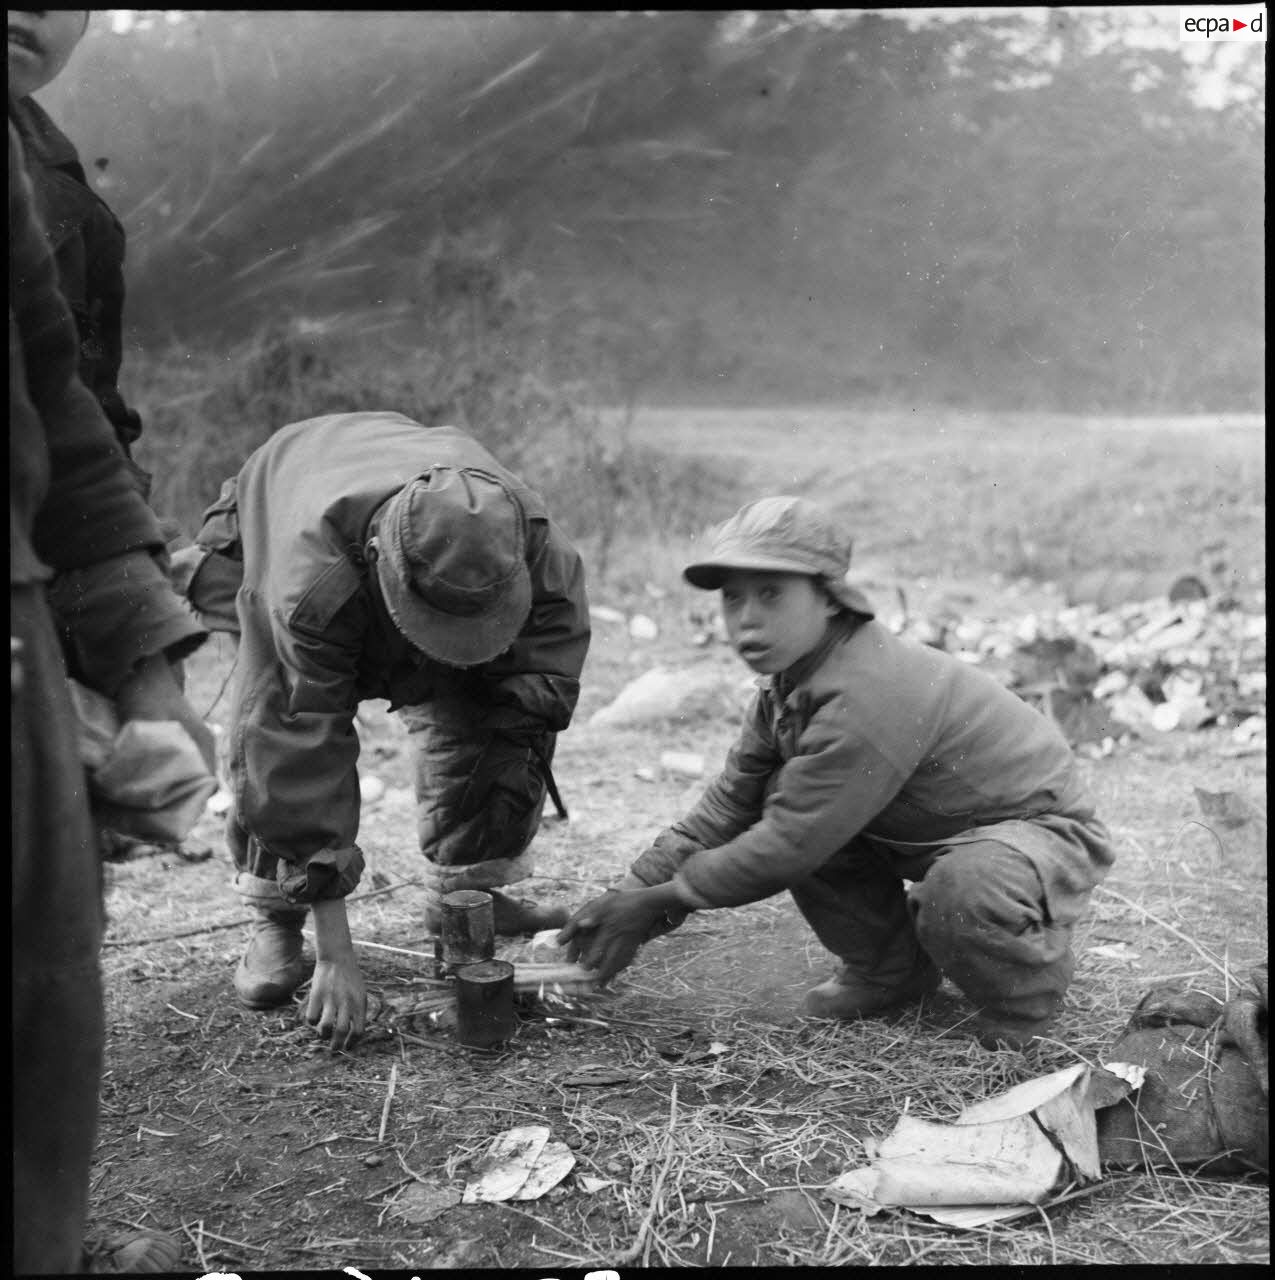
258, 1146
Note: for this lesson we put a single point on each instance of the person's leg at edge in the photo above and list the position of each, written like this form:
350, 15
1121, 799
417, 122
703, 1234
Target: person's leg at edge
58, 1022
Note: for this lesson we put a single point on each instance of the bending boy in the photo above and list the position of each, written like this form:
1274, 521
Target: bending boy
925, 820
362, 555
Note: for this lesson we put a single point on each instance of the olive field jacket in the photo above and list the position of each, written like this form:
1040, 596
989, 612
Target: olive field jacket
315, 638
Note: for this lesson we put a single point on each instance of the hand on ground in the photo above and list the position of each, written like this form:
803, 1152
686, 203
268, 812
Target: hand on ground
337, 1007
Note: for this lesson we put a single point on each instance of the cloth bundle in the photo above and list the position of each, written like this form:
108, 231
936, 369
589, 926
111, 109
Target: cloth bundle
146, 778
1205, 1100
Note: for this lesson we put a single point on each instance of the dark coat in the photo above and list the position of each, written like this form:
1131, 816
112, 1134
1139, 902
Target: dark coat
88, 245
73, 509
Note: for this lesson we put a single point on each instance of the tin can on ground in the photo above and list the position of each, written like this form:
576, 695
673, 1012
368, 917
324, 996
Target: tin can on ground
485, 1014
468, 928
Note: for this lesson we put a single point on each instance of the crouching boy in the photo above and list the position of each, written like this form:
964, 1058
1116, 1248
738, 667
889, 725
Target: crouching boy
925, 820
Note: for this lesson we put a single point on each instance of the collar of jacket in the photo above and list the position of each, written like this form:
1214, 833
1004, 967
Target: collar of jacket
840, 628
43, 141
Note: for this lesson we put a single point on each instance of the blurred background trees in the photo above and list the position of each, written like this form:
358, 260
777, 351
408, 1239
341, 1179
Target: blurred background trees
1024, 210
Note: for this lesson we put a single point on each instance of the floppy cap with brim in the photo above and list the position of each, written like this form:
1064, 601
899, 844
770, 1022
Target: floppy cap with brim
781, 535
452, 564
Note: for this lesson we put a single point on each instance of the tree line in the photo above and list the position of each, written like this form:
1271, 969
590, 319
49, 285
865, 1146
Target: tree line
1027, 209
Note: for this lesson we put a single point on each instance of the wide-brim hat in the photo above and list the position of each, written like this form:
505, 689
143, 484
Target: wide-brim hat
451, 561
781, 535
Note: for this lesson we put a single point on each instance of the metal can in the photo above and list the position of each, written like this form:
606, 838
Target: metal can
485, 1015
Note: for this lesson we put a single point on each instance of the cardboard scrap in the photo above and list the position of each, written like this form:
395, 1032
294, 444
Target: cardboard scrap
998, 1158
422, 1202
521, 1164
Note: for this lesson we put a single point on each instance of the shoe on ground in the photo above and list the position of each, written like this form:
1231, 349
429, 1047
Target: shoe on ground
511, 917
515, 916
850, 995
999, 1033
135, 1253
273, 966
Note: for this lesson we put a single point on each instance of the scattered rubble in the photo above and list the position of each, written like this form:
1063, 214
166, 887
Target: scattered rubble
1151, 666
1177, 662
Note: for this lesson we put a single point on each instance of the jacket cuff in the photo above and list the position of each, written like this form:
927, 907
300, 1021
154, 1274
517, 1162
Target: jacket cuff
330, 873
114, 614
660, 863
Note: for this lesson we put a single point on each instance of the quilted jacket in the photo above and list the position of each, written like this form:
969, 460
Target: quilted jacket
876, 737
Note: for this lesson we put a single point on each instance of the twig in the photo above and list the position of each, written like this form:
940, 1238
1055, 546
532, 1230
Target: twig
242, 1244
428, 1044
398, 951
389, 1098
635, 1250
198, 1243
238, 923
1164, 924
416, 1177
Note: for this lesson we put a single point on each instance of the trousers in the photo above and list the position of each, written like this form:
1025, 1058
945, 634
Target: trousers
57, 1017
994, 909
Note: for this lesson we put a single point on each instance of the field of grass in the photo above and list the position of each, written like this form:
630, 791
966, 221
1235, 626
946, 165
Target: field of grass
727, 1113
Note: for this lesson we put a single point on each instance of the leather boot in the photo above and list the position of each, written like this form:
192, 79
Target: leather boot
848, 994
511, 917
514, 916
272, 967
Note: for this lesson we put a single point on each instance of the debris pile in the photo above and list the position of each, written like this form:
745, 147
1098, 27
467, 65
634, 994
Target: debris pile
1153, 665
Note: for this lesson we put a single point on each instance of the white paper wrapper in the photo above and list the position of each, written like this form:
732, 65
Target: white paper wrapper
998, 1157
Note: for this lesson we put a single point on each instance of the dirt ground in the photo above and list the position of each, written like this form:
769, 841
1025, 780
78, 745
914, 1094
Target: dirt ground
703, 1112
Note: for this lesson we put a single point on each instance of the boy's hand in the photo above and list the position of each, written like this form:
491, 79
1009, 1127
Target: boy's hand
605, 934
337, 1007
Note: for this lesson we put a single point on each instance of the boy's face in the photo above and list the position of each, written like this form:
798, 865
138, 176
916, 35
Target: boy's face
41, 42
774, 619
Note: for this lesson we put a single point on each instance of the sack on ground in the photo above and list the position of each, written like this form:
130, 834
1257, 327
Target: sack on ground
1204, 1102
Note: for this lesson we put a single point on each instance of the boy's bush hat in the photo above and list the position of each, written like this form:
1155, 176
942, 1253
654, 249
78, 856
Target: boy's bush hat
452, 565
781, 535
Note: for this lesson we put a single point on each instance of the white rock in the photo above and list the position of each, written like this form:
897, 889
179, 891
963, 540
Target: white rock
371, 788
1111, 683
643, 628
1133, 708
1166, 717
219, 803
685, 764
1250, 729
661, 693
604, 613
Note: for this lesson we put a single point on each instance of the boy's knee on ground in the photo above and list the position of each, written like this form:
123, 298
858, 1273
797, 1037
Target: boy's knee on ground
985, 882
984, 892
981, 914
